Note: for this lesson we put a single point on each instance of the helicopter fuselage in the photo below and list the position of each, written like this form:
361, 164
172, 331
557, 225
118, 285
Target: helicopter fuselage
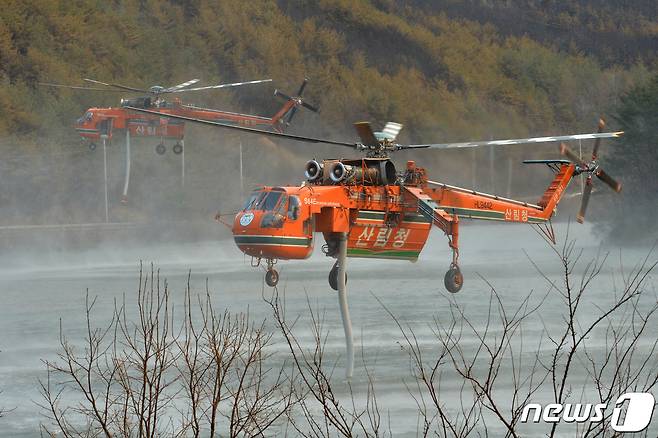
391, 220
97, 122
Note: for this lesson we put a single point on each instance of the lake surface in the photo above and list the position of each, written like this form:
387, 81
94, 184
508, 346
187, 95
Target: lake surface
41, 285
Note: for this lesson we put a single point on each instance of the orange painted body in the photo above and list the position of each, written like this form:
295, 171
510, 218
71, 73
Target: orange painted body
103, 121
382, 221
375, 234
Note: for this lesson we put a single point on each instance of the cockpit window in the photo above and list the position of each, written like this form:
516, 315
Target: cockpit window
293, 208
88, 116
271, 201
255, 200
267, 201
252, 198
275, 206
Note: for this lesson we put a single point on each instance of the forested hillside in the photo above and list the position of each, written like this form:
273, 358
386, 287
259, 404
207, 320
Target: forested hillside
613, 31
447, 70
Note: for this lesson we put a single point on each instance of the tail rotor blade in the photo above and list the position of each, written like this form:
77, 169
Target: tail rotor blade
291, 114
283, 95
583, 204
614, 185
310, 107
301, 88
297, 102
597, 142
564, 150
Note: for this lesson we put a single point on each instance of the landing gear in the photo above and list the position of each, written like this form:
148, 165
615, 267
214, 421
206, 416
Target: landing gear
178, 148
91, 146
160, 149
454, 280
271, 276
333, 277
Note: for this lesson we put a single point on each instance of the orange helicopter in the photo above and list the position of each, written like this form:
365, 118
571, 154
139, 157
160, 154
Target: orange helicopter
100, 123
365, 207
383, 213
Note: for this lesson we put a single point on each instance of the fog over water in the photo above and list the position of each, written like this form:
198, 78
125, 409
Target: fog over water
41, 285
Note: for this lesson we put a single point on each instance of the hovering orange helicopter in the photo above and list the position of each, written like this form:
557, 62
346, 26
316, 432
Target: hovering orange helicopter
100, 123
365, 207
380, 212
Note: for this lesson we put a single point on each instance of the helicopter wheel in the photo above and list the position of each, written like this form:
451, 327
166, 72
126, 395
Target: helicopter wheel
454, 280
92, 146
178, 149
160, 149
272, 277
333, 277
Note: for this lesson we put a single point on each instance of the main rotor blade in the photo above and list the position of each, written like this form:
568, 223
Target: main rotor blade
183, 85
365, 133
392, 129
245, 129
583, 204
210, 87
122, 87
473, 144
597, 143
614, 185
77, 87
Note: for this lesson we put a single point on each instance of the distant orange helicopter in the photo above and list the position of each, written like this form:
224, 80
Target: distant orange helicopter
365, 207
100, 123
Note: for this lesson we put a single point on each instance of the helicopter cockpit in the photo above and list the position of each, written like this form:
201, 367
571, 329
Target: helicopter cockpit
275, 207
272, 225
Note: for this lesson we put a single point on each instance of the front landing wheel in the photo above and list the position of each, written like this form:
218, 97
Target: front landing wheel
272, 277
454, 280
333, 277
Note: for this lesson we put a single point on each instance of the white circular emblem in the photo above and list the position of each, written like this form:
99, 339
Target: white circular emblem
246, 219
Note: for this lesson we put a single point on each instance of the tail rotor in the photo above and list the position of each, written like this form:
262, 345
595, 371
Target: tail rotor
297, 102
591, 168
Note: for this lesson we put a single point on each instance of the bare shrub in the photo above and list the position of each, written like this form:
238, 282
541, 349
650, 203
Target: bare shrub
151, 375
208, 373
608, 341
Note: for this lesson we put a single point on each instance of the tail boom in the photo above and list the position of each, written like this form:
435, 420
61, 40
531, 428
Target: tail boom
556, 189
465, 203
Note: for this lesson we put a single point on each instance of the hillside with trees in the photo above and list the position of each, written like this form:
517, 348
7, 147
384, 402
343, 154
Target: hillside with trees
447, 70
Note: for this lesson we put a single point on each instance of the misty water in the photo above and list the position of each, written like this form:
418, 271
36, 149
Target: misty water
41, 285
